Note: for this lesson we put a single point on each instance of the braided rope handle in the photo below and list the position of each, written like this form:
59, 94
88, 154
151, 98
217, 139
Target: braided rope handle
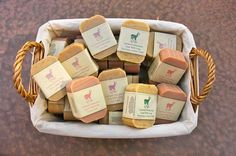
195, 98
17, 69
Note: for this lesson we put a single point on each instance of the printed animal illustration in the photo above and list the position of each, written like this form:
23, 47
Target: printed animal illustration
170, 72
112, 87
146, 102
88, 96
49, 75
76, 63
97, 34
169, 105
161, 45
134, 37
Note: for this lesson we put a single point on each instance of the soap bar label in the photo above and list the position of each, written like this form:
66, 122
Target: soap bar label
99, 38
52, 79
133, 41
139, 106
114, 90
163, 40
87, 101
80, 65
56, 47
164, 73
115, 118
169, 109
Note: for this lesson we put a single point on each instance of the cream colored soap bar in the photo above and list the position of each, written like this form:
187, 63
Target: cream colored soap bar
113, 83
133, 79
112, 118
51, 77
98, 36
77, 61
171, 100
140, 105
133, 41
168, 67
67, 112
57, 45
56, 107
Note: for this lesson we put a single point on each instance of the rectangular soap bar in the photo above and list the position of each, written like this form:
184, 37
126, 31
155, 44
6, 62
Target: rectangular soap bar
131, 68
57, 45
86, 99
56, 107
67, 112
112, 118
133, 79
171, 100
77, 61
114, 62
80, 40
113, 83
51, 77
168, 67
98, 36
102, 64
140, 105
133, 41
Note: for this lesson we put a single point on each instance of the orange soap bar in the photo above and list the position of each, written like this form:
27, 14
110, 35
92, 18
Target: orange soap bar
132, 68
168, 67
171, 100
98, 36
86, 99
56, 107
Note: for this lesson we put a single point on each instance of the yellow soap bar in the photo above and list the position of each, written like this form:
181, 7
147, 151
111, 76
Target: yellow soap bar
140, 105
56, 107
98, 36
57, 45
133, 41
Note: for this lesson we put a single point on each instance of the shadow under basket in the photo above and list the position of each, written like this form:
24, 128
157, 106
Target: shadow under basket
48, 123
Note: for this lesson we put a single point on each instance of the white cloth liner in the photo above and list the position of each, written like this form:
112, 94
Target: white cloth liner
47, 123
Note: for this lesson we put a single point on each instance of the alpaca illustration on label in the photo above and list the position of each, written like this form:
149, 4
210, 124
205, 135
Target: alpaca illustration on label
112, 87
170, 72
146, 102
97, 34
134, 37
169, 105
161, 45
76, 64
87, 96
49, 75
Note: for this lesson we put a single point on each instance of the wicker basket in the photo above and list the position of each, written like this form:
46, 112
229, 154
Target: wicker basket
30, 96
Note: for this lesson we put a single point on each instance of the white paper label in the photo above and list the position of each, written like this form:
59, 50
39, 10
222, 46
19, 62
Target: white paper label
87, 101
133, 41
115, 118
52, 79
169, 109
139, 106
114, 90
99, 38
80, 65
56, 47
163, 40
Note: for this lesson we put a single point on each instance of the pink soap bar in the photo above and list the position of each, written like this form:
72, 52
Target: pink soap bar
84, 83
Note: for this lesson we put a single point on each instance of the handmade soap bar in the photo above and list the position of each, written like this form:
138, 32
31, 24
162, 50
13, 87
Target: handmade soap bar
67, 113
150, 47
51, 77
56, 107
133, 79
80, 40
168, 67
112, 118
114, 62
133, 41
102, 64
77, 61
140, 105
98, 37
132, 68
86, 99
57, 45
171, 100
113, 83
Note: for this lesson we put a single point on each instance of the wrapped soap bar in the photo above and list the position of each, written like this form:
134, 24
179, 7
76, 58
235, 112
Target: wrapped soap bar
98, 36
131, 68
112, 118
168, 67
133, 79
171, 100
56, 107
86, 99
67, 112
57, 45
114, 62
133, 41
140, 105
113, 83
80, 40
51, 77
77, 61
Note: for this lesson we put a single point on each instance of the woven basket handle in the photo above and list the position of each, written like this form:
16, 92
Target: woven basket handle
29, 96
195, 98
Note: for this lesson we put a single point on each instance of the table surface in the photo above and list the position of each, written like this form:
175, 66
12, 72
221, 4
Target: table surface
213, 25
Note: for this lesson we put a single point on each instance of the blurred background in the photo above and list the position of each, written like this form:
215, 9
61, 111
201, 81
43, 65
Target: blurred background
213, 25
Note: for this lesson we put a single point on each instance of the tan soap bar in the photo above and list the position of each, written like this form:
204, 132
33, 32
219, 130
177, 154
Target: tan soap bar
133, 79
51, 77
98, 36
76, 60
57, 45
86, 99
140, 105
112, 118
56, 107
113, 83
133, 41
132, 68
67, 112
171, 100
168, 67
